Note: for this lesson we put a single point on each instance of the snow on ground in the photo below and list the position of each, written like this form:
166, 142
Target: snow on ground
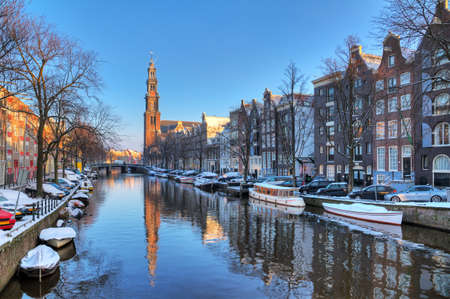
27, 221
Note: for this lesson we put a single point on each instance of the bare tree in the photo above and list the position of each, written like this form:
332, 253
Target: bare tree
47, 66
353, 108
294, 116
414, 21
241, 136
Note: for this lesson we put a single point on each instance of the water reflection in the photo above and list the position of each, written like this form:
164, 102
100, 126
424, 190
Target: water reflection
152, 222
302, 256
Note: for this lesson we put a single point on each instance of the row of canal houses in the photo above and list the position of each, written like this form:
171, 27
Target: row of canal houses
18, 146
406, 92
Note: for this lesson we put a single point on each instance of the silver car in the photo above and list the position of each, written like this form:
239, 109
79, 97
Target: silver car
419, 193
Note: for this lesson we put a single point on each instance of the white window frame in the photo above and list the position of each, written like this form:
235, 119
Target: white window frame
379, 107
405, 102
391, 60
391, 107
392, 128
381, 158
405, 130
393, 158
380, 125
379, 85
405, 78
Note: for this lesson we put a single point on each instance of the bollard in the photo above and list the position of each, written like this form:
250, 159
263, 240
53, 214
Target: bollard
33, 211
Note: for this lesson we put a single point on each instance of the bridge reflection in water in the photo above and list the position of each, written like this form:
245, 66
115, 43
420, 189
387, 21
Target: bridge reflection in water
296, 255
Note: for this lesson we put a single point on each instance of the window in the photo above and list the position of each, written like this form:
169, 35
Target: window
392, 129
330, 133
321, 149
406, 127
369, 170
440, 134
321, 130
358, 153
330, 94
330, 113
405, 78
358, 83
321, 169
379, 85
392, 84
358, 105
381, 159
330, 172
392, 105
406, 151
441, 104
380, 130
391, 61
338, 168
405, 101
322, 92
380, 107
368, 148
441, 80
380, 179
393, 158
440, 57
330, 153
425, 162
346, 169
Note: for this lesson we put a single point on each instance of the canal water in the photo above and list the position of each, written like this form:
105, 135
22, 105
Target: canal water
150, 238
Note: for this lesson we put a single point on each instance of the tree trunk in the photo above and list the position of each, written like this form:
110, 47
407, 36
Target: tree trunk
55, 164
293, 141
40, 159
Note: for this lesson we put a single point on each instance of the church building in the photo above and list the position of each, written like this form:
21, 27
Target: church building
154, 127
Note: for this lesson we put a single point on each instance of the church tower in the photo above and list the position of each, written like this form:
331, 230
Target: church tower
152, 114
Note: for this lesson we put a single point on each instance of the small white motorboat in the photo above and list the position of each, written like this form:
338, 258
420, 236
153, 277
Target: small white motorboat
40, 261
365, 212
57, 237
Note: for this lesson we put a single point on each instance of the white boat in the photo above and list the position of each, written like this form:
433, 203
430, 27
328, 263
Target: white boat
57, 237
365, 212
40, 261
283, 196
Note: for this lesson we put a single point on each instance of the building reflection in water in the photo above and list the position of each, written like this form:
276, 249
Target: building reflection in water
305, 256
152, 191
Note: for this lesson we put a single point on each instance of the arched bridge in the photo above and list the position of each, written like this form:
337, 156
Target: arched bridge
135, 168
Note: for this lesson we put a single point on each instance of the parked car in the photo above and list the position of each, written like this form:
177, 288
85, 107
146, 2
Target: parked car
419, 193
334, 189
66, 183
275, 180
314, 186
374, 192
59, 187
49, 190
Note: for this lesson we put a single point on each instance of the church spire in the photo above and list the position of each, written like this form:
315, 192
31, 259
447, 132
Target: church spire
152, 114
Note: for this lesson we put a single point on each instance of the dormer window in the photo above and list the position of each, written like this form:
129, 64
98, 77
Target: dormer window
391, 61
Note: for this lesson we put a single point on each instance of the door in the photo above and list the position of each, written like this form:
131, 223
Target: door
407, 168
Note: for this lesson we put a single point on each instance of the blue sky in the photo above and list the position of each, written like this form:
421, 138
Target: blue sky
209, 54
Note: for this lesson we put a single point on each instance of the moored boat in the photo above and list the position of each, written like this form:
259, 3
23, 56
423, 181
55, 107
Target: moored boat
40, 261
284, 196
365, 212
57, 237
